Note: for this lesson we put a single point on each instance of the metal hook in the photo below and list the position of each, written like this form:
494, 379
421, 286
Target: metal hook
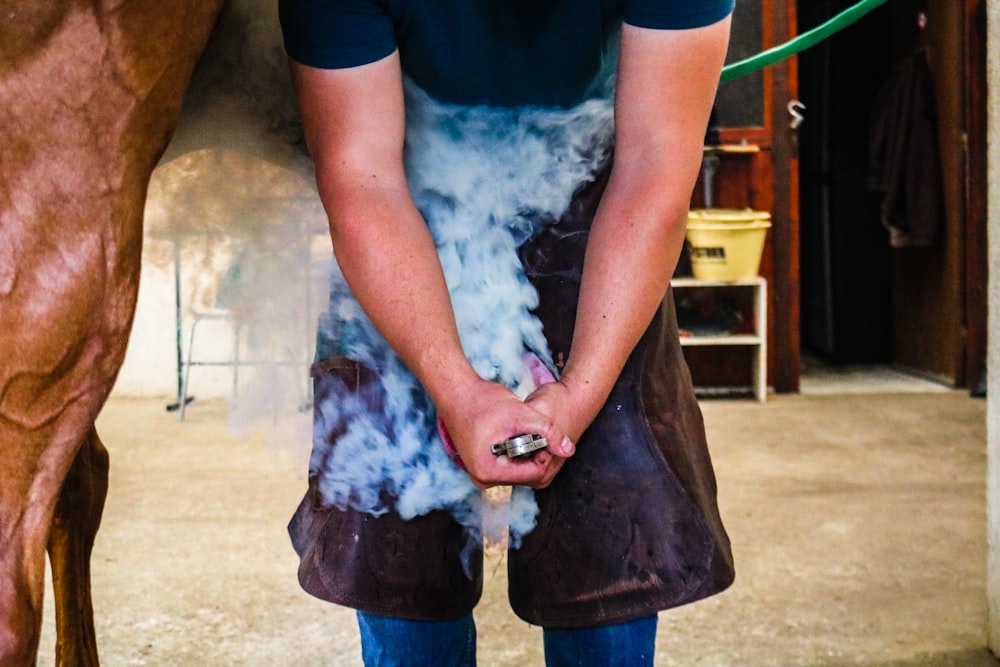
794, 107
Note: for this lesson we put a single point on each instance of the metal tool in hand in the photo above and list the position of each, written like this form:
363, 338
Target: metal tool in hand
520, 445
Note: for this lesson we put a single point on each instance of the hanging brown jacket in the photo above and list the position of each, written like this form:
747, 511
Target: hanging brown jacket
904, 162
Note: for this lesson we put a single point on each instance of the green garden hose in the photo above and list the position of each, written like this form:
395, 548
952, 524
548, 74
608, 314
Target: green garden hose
800, 42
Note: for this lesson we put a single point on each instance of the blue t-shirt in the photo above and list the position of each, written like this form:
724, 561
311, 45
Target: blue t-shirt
496, 52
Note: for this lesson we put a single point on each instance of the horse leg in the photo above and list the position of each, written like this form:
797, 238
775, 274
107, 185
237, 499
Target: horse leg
74, 527
20, 609
31, 473
92, 92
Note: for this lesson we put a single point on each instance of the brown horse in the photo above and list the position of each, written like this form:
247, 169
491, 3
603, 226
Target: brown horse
91, 92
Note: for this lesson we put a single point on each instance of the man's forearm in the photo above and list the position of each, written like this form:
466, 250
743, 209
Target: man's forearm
666, 84
631, 255
388, 259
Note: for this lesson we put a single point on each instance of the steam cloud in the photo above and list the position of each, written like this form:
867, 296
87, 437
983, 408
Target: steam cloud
486, 180
233, 207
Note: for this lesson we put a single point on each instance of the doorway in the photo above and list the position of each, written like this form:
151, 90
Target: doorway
755, 166
869, 297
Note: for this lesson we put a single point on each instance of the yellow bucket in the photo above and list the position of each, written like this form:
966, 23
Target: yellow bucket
726, 244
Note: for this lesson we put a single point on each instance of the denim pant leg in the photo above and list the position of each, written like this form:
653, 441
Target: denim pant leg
397, 642
629, 644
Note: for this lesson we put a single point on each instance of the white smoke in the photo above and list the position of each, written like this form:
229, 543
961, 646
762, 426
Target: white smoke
233, 208
486, 180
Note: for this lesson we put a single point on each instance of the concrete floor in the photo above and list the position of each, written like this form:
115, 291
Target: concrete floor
857, 520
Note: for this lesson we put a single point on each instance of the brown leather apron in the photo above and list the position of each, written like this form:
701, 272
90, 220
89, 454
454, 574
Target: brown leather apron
629, 527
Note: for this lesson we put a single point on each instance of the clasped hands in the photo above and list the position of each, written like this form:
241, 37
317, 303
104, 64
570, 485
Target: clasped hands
485, 413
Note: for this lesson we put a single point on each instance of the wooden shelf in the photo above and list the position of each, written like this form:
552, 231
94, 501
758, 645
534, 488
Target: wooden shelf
734, 339
732, 149
695, 282
757, 340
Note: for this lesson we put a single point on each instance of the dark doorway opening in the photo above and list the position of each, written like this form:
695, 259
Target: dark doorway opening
845, 256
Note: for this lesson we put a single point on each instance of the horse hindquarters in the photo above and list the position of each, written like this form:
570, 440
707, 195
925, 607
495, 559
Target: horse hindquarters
94, 93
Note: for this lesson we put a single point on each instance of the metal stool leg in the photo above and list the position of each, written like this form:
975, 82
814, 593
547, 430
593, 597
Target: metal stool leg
237, 329
187, 370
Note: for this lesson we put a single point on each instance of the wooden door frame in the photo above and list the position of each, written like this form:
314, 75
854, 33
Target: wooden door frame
786, 323
976, 270
776, 177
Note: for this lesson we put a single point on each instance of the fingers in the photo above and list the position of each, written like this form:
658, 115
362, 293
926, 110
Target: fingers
555, 399
536, 470
564, 448
472, 421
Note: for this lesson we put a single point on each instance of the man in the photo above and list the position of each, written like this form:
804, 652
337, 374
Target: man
595, 592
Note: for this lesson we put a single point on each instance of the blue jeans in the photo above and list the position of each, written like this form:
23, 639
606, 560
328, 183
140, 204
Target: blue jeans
394, 642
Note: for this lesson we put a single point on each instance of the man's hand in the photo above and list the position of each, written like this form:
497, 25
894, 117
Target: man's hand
566, 408
484, 413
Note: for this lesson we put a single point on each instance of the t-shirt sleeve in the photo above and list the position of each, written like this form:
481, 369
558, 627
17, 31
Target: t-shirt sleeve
333, 34
676, 14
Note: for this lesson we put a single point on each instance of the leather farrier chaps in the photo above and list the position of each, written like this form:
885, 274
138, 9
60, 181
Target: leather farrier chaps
630, 526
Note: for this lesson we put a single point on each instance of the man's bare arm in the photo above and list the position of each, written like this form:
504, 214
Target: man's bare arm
666, 86
354, 125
